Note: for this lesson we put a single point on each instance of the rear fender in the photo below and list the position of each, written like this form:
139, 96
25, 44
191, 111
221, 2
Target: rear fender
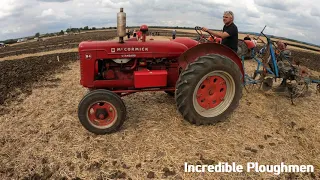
194, 53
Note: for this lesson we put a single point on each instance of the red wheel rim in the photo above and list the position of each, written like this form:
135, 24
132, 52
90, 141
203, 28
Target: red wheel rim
211, 92
102, 114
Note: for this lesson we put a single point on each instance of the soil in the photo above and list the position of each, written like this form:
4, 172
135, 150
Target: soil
17, 76
308, 59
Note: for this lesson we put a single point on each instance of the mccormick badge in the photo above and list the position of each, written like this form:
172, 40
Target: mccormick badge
130, 49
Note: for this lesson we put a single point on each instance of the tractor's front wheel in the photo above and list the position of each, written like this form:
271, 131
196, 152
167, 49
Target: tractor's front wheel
101, 112
209, 90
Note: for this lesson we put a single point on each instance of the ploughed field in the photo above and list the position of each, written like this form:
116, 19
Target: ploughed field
59, 42
41, 137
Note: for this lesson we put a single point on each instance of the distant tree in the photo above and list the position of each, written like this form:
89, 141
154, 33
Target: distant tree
61, 32
74, 30
93, 28
37, 34
86, 28
10, 41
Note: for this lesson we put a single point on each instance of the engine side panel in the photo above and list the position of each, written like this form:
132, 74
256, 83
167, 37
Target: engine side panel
114, 65
121, 74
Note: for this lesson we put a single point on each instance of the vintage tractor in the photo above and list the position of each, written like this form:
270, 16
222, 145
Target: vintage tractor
205, 78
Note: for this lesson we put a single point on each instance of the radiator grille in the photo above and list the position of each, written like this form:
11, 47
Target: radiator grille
81, 65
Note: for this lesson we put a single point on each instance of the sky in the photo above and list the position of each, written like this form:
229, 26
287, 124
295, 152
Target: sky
293, 19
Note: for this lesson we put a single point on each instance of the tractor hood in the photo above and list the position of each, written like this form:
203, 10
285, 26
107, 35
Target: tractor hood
186, 41
137, 49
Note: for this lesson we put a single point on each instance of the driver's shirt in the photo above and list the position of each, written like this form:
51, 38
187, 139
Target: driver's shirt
232, 40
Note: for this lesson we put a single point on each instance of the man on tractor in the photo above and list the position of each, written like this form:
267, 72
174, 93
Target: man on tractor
230, 32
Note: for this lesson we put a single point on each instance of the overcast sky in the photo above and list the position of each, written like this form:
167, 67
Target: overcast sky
294, 19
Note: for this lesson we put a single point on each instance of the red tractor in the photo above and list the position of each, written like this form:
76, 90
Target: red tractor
206, 79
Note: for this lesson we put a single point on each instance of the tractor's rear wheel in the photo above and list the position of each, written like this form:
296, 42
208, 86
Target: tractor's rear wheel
209, 90
101, 112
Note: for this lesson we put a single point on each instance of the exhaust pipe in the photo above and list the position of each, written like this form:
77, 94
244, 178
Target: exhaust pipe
121, 25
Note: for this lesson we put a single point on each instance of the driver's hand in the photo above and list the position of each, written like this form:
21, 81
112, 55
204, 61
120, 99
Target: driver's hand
204, 29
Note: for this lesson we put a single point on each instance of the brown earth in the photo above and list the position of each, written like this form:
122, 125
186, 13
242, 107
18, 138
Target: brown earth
60, 42
41, 137
38, 49
17, 76
308, 59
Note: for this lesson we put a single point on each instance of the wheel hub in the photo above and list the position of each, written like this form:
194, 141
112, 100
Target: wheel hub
102, 114
211, 92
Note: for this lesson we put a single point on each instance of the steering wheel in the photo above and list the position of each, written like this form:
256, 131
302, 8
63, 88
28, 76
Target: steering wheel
199, 32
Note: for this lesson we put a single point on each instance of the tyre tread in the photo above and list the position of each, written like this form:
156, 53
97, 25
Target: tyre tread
186, 81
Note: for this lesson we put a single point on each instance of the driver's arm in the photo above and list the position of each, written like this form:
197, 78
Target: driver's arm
222, 35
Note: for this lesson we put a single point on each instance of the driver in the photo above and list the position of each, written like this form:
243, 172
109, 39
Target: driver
229, 34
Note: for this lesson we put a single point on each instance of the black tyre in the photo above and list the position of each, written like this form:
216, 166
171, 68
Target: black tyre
101, 112
209, 90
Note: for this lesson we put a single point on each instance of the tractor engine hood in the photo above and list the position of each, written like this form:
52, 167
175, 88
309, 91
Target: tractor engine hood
134, 49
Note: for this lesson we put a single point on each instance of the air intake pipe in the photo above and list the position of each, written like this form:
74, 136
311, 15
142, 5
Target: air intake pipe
121, 25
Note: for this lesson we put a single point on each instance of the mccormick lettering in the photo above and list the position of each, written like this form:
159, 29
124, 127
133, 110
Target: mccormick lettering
130, 49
